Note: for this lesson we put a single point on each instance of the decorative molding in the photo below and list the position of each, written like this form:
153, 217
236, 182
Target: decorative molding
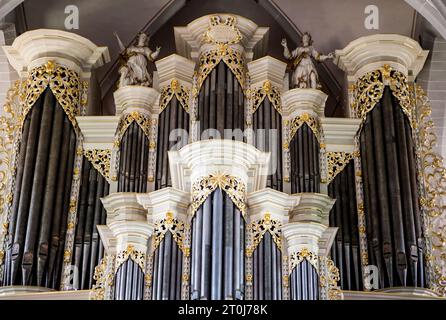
228, 157
34, 48
328, 280
175, 67
368, 53
140, 99
181, 92
267, 69
212, 30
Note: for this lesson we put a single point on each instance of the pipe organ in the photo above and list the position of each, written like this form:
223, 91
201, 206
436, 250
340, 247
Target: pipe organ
220, 181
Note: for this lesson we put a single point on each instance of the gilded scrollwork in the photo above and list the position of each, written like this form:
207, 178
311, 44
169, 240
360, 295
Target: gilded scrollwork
233, 186
312, 122
175, 89
328, 279
126, 120
172, 225
260, 227
100, 159
296, 258
63, 82
267, 90
131, 253
369, 90
219, 26
232, 58
337, 161
103, 275
432, 176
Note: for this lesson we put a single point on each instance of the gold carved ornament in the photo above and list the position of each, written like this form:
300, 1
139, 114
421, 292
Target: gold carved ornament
267, 90
329, 278
369, 90
337, 161
100, 159
131, 253
311, 122
297, 257
63, 82
233, 186
432, 174
175, 89
232, 58
126, 120
172, 225
103, 277
260, 227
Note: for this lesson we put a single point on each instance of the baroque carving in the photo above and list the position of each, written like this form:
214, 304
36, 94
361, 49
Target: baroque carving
337, 161
310, 120
369, 90
172, 225
304, 71
126, 120
328, 279
297, 257
131, 253
175, 89
103, 277
267, 90
63, 82
260, 227
134, 62
233, 186
100, 159
432, 176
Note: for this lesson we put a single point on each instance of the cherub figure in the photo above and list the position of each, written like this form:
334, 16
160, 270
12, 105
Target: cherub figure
133, 70
305, 74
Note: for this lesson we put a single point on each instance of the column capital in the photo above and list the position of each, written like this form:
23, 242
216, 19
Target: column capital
126, 223
276, 203
136, 98
36, 47
298, 101
312, 207
369, 53
159, 202
219, 156
267, 69
175, 67
339, 133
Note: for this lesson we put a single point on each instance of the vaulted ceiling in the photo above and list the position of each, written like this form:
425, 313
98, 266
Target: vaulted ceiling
333, 24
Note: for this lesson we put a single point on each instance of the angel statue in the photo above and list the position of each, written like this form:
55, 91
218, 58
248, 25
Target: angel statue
135, 58
305, 74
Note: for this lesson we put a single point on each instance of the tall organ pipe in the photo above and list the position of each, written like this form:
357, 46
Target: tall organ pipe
46, 150
305, 177
207, 236
389, 154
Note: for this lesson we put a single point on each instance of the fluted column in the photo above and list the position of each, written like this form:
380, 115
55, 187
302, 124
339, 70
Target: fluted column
136, 138
218, 174
379, 69
175, 112
268, 212
264, 114
125, 237
308, 237
168, 261
42, 211
304, 145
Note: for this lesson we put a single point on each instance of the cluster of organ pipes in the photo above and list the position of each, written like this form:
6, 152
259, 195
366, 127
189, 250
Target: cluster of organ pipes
213, 257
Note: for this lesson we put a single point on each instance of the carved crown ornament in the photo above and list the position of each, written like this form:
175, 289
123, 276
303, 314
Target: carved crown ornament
305, 118
336, 162
233, 186
131, 253
143, 121
296, 258
222, 34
